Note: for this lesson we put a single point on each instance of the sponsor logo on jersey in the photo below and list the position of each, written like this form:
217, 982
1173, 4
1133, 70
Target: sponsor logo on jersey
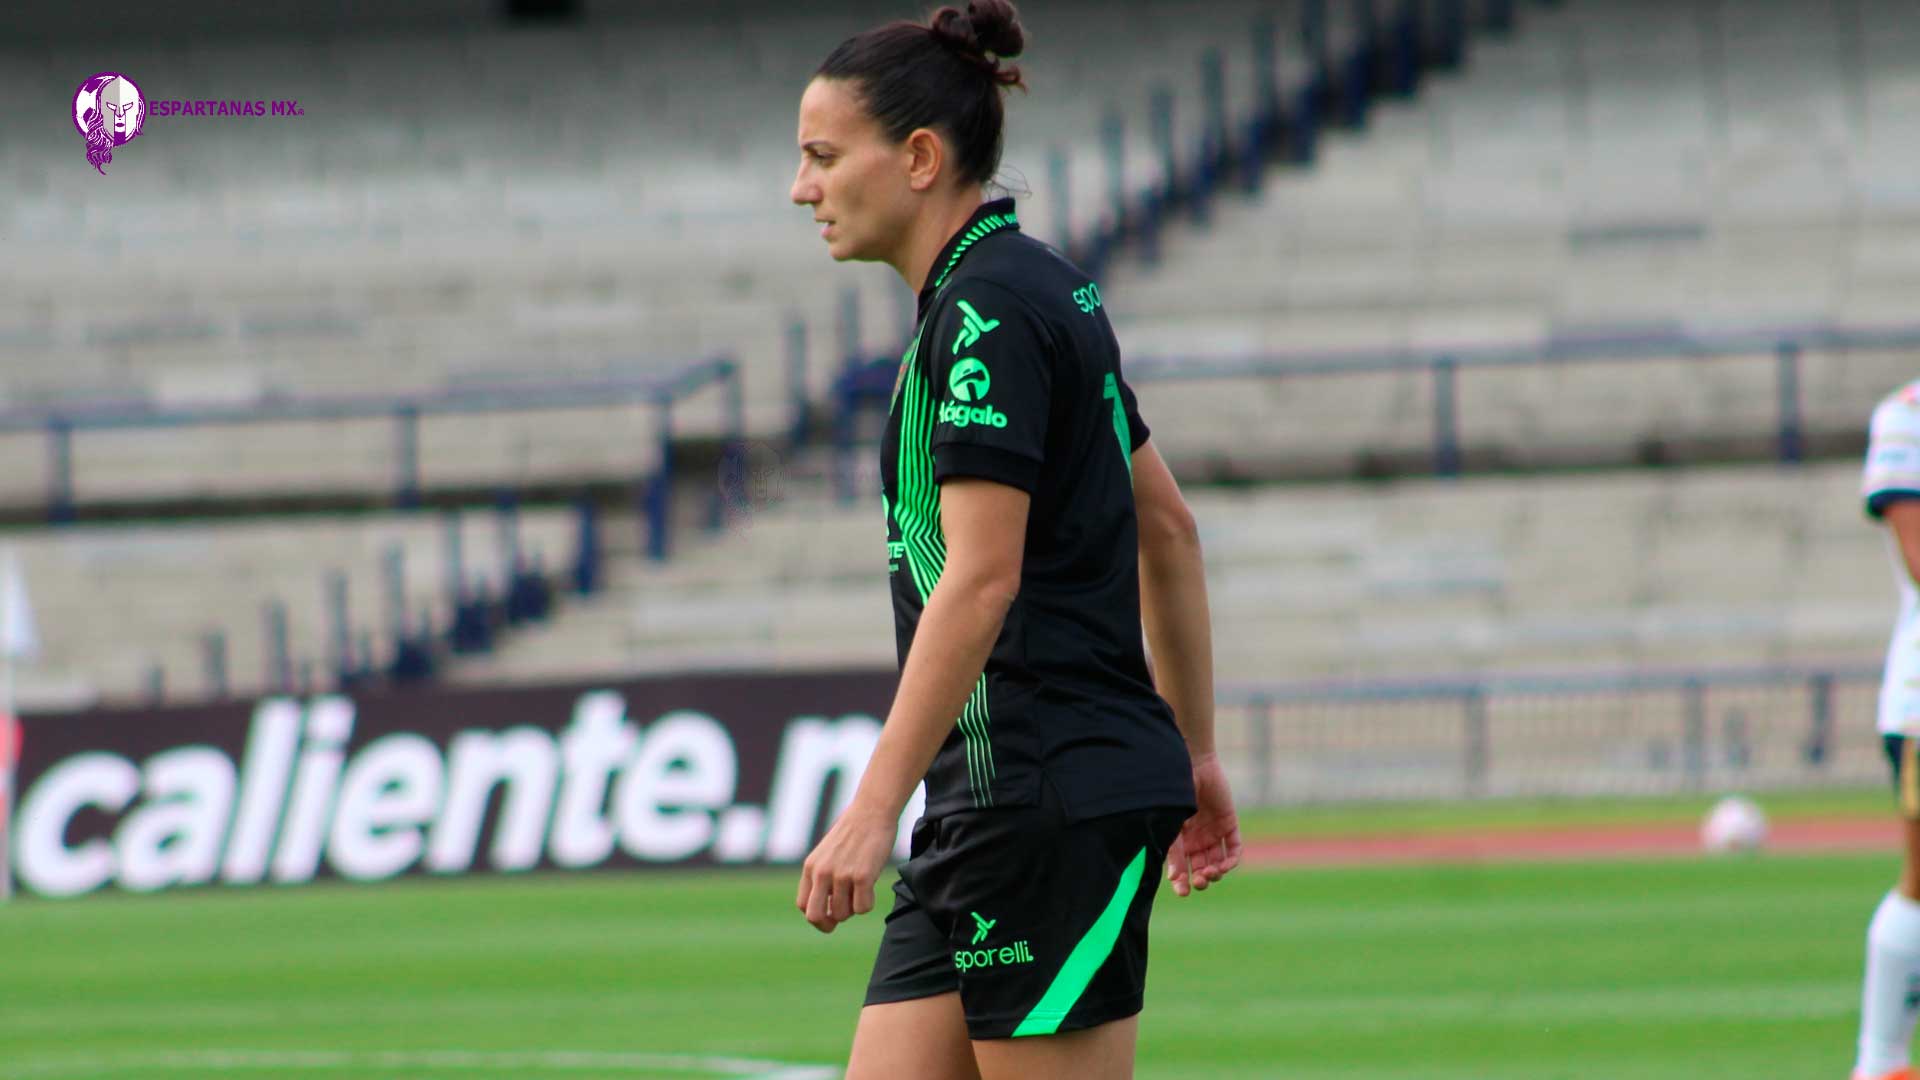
970, 380
960, 416
972, 327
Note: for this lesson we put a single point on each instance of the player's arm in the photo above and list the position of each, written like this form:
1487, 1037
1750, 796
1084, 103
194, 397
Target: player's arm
1903, 517
1173, 599
985, 525
1173, 611
986, 528
1891, 480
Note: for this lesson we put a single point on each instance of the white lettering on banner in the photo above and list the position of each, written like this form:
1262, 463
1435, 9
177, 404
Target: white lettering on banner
660, 792
814, 749
916, 806
174, 837
591, 750
741, 833
315, 780
47, 865
390, 791
524, 760
664, 801
271, 745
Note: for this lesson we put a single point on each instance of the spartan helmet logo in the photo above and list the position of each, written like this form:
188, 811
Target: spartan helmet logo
120, 104
109, 110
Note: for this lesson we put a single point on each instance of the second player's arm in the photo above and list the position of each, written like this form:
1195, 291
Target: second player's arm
1903, 517
1179, 628
985, 525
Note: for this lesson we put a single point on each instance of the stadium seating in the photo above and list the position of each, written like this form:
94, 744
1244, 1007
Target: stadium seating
597, 203
1619, 162
384, 242
596, 200
1634, 569
113, 603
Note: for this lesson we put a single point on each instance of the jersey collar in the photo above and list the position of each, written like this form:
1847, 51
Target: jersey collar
990, 218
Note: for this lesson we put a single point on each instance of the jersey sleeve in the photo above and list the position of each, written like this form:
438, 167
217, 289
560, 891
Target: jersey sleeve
1893, 452
991, 364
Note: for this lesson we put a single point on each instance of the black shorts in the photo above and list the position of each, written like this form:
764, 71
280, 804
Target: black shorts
1039, 922
1901, 751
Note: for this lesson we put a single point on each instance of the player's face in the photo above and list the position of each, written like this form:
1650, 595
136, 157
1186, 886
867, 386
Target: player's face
853, 178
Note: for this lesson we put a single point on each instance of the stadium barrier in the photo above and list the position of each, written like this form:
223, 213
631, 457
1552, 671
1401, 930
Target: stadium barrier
663, 393
1784, 348
1553, 735
742, 769
864, 390
688, 770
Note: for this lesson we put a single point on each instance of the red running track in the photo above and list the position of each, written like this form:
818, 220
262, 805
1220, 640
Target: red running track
1543, 844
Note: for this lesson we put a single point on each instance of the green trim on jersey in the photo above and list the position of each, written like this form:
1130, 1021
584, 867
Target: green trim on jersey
916, 508
987, 226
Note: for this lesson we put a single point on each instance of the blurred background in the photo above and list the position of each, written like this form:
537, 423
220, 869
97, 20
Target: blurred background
1516, 358
1489, 339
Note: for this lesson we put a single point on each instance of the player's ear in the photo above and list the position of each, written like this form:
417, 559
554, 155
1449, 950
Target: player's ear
925, 155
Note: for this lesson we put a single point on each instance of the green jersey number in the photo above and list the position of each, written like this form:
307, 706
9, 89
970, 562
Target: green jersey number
1121, 429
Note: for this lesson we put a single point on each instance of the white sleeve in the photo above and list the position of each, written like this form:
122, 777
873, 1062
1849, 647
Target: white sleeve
1893, 452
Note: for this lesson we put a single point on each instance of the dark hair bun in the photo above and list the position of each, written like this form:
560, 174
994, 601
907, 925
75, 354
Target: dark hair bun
986, 33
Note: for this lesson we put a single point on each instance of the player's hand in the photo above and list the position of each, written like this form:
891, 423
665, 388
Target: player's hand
836, 881
1209, 843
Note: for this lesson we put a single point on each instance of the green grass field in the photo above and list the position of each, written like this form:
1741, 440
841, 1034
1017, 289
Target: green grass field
1611, 971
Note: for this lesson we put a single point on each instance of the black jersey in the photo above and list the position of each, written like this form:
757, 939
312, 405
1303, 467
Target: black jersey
1014, 376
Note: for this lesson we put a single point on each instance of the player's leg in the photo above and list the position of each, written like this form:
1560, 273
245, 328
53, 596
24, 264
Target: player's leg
1096, 1053
1890, 994
912, 1023
923, 1037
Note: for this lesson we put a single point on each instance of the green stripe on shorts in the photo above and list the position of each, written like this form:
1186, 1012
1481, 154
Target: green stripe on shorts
1086, 957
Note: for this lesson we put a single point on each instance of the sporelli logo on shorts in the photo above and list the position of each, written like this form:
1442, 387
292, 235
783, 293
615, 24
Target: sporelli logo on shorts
109, 111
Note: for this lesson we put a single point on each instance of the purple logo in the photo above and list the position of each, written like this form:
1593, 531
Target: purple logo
109, 111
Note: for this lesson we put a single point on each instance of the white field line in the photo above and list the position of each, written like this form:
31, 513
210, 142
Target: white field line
426, 1061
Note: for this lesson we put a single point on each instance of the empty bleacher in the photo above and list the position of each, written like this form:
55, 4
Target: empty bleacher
486, 209
559, 201
113, 604
1615, 162
1634, 569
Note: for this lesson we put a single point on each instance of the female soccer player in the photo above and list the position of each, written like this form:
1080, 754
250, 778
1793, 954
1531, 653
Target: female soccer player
1890, 996
1033, 529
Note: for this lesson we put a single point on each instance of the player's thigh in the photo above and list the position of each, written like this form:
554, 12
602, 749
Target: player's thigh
923, 1037
1096, 1053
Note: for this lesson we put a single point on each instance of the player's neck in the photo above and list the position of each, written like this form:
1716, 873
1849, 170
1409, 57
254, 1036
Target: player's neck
930, 233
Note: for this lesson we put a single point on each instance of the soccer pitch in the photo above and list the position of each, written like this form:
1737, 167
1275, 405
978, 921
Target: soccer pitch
1613, 971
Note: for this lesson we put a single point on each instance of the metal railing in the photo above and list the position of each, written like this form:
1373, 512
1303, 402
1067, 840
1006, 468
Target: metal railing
1554, 735
1785, 348
63, 426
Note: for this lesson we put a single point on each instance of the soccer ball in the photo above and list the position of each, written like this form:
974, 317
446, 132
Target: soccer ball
1734, 824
